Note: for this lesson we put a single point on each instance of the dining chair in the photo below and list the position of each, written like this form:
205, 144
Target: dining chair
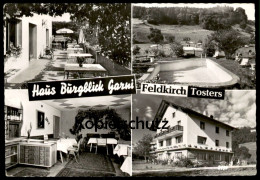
74, 150
101, 142
88, 136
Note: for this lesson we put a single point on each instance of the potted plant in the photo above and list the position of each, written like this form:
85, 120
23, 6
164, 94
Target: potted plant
80, 61
13, 51
29, 133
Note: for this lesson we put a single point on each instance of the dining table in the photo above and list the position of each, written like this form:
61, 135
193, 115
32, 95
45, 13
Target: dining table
127, 165
63, 144
95, 69
74, 50
71, 55
111, 141
122, 150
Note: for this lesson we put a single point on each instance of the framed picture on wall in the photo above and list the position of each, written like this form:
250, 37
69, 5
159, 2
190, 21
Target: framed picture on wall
40, 119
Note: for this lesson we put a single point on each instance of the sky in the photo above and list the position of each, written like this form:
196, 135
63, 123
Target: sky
249, 7
65, 17
238, 109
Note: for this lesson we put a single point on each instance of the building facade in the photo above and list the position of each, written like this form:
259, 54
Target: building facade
192, 135
32, 34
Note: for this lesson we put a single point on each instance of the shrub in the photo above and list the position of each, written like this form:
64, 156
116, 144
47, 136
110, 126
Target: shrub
184, 162
136, 50
177, 48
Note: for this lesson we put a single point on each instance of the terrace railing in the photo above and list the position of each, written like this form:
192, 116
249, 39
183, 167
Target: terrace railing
169, 130
112, 68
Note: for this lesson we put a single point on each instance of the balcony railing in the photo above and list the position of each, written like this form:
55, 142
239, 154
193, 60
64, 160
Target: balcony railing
181, 146
169, 130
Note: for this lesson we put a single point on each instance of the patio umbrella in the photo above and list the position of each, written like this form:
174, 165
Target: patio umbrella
81, 37
64, 31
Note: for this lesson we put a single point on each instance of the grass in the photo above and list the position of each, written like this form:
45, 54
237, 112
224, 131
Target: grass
243, 171
195, 32
244, 73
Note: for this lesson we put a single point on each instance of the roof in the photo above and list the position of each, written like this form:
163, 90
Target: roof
165, 104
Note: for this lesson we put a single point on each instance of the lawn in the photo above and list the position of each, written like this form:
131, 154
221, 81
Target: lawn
196, 33
244, 73
243, 171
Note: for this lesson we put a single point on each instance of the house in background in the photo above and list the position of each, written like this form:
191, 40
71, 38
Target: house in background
192, 135
32, 34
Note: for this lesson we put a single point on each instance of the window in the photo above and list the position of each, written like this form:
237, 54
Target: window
13, 34
202, 140
202, 156
168, 142
178, 154
217, 143
217, 130
227, 132
179, 123
178, 139
202, 125
160, 143
227, 144
217, 157
173, 114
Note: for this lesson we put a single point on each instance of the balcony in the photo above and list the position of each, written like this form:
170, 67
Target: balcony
170, 132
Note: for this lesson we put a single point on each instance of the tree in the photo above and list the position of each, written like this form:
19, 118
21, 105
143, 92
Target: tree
242, 153
177, 48
187, 39
155, 36
227, 40
143, 146
136, 50
209, 47
171, 39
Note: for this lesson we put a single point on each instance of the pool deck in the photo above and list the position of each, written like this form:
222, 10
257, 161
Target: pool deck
201, 76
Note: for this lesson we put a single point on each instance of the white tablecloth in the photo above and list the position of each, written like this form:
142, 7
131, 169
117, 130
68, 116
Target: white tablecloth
74, 49
127, 166
92, 141
121, 150
80, 55
109, 141
63, 144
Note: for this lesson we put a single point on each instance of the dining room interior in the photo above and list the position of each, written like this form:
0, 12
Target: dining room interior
67, 137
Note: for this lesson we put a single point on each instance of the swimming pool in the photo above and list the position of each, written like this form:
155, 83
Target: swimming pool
198, 72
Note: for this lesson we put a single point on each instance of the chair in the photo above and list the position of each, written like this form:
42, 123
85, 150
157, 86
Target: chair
88, 136
101, 142
74, 150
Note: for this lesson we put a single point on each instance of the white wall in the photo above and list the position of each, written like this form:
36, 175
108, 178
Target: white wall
23, 61
19, 98
30, 116
193, 131
172, 121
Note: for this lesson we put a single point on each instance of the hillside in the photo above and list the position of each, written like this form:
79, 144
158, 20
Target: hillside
195, 32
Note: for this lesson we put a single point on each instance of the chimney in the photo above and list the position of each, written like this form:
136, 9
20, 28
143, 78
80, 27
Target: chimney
211, 116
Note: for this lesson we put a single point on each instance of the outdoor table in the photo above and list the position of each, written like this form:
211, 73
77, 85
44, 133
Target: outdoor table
86, 68
121, 150
127, 166
64, 144
79, 55
75, 50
